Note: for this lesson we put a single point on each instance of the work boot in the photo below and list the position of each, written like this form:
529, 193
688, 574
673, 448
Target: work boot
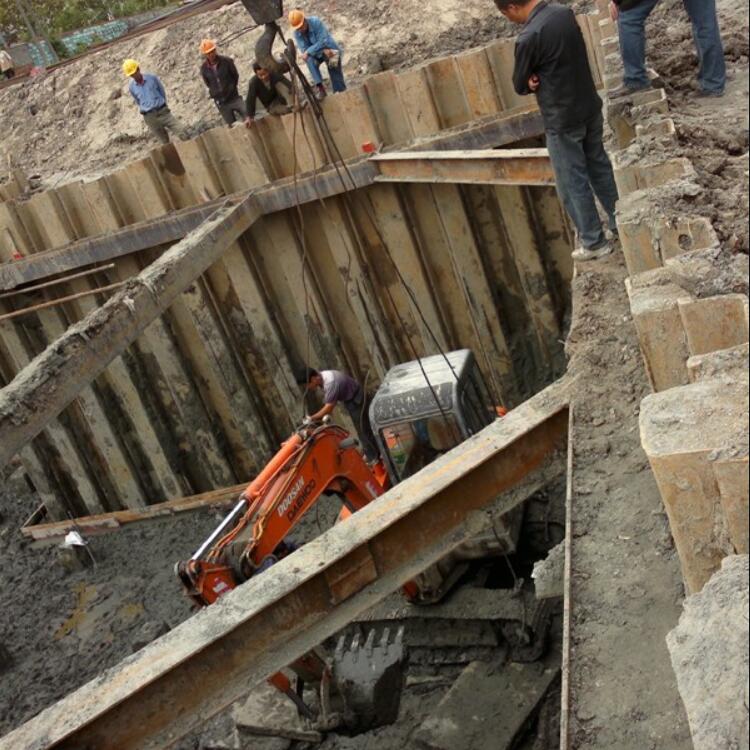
708, 94
320, 92
594, 253
625, 90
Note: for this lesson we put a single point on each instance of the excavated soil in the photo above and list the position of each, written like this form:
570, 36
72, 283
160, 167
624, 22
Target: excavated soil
80, 121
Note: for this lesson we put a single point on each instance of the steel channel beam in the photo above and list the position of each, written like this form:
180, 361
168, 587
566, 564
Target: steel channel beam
280, 195
528, 167
176, 683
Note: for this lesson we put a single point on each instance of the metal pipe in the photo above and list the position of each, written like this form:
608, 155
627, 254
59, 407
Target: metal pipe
221, 528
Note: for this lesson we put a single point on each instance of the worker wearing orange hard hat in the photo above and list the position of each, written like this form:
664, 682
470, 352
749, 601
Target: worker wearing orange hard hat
317, 46
148, 93
220, 75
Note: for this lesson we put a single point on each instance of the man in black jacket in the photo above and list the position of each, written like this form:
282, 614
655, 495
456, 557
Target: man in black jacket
273, 90
551, 62
631, 16
220, 75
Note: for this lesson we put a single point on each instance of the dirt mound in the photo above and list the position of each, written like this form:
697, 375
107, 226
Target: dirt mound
80, 121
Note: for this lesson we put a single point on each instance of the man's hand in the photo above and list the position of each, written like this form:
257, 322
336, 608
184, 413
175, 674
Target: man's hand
534, 83
249, 122
329, 53
305, 56
614, 10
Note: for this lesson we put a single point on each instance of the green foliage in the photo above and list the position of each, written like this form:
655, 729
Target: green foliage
55, 17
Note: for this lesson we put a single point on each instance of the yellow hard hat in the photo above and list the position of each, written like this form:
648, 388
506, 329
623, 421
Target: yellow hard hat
129, 67
208, 45
296, 19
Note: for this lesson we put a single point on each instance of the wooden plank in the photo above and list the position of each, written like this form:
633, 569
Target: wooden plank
54, 533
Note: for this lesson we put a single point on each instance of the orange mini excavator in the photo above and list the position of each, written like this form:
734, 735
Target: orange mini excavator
421, 410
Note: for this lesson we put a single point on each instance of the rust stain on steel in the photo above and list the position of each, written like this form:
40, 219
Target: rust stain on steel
170, 160
149, 700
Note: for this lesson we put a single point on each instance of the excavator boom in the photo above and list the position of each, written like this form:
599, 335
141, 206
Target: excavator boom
315, 461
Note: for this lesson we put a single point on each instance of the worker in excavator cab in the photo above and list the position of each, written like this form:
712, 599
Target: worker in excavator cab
220, 75
317, 46
338, 387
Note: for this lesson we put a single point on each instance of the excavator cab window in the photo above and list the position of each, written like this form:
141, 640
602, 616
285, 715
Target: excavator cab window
413, 445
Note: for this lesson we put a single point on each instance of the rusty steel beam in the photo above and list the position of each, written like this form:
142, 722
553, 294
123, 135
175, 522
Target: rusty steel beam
40, 391
529, 166
280, 195
201, 667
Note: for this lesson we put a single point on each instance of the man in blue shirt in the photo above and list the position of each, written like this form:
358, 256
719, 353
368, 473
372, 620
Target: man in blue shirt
317, 46
148, 93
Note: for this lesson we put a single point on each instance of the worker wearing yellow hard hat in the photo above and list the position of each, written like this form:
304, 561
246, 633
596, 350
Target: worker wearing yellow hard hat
130, 67
317, 46
148, 93
220, 75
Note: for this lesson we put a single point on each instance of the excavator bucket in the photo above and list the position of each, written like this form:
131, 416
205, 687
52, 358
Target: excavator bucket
370, 678
264, 11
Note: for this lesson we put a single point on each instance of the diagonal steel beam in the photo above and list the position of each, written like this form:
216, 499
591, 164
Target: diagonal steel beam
177, 682
58, 374
528, 166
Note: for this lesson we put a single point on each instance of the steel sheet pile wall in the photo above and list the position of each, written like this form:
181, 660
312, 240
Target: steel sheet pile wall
207, 392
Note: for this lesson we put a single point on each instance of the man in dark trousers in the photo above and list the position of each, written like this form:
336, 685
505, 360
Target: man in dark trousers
338, 387
273, 90
631, 16
220, 75
551, 62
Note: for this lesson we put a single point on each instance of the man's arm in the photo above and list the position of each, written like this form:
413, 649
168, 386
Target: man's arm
526, 63
160, 88
324, 412
301, 42
319, 33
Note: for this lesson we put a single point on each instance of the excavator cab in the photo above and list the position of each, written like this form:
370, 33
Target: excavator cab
425, 408
422, 410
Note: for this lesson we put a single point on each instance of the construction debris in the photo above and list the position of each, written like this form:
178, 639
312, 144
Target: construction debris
710, 650
488, 706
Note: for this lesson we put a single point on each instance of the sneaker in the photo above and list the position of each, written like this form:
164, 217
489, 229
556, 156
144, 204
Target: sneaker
625, 90
583, 253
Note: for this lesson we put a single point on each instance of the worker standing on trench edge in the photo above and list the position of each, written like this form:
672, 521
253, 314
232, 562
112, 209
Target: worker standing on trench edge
274, 91
220, 75
631, 17
148, 92
317, 46
338, 387
551, 62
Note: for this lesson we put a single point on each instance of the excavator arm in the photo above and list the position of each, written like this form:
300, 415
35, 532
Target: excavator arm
316, 460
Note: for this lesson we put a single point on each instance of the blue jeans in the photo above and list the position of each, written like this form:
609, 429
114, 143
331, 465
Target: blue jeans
583, 169
335, 74
631, 28
712, 75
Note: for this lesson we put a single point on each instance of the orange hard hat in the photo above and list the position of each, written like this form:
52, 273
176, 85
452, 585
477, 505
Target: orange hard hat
296, 19
208, 45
